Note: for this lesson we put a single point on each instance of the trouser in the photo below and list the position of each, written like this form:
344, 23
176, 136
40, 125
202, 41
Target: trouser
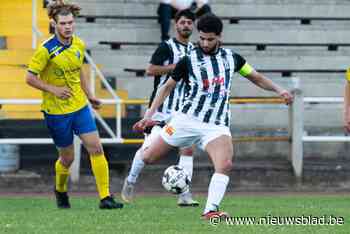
166, 12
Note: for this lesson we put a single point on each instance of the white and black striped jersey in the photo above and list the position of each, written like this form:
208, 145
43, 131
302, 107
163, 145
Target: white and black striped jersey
169, 52
209, 78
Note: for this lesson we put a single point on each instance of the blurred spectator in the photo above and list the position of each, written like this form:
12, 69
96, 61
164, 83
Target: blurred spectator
168, 8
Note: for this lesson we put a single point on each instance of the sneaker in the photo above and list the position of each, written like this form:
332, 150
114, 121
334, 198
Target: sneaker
211, 214
127, 193
62, 200
187, 200
110, 203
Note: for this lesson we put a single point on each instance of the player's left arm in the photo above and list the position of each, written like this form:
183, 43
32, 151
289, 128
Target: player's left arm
95, 102
260, 80
267, 84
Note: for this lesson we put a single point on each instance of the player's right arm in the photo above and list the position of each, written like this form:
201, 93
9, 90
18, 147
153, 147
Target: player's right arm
36, 66
156, 66
60, 92
347, 103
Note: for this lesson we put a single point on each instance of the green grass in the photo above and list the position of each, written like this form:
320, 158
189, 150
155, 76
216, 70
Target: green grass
159, 214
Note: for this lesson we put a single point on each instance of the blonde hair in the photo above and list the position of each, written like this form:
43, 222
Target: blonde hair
59, 7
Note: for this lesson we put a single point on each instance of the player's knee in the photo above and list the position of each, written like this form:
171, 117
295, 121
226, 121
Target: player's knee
149, 160
227, 166
67, 161
186, 151
94, 149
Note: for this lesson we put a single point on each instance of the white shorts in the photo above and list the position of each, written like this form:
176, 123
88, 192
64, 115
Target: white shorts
159, 116
156, 130
183, 131
149, 138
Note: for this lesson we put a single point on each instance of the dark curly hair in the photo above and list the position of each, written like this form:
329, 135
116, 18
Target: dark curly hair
210, 23
187, 13
59, 7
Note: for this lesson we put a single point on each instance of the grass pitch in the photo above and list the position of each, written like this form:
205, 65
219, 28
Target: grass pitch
159, 214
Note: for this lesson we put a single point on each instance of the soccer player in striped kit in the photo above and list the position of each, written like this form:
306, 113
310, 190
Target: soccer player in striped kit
162, 63
204, 116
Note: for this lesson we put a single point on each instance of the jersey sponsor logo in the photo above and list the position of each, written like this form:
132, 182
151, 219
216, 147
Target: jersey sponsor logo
226, 64
221, 95
58, 72
218, 81
169, 130
53, 49
215, 81
74, 70
205, 84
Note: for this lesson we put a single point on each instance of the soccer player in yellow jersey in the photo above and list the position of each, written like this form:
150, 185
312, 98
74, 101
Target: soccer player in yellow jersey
55, 69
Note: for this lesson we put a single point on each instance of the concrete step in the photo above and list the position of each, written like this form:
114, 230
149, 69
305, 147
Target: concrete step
94, 33
15, 57
265, 61
225, 8
105, 20
18, 42
21, 24
283, 51
327, 84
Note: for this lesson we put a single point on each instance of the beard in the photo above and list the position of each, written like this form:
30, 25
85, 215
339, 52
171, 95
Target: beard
212, 50
185, 33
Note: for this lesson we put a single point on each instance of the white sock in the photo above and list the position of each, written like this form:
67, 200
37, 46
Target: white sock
216, 191
187, 163
136, 167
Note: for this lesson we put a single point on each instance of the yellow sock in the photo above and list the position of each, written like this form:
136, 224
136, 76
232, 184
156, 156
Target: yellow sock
100, 169
62, 174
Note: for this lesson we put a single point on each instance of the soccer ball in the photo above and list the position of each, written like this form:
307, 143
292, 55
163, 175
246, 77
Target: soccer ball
175, 179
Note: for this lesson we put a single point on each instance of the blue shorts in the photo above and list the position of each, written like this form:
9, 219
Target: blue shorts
63, 127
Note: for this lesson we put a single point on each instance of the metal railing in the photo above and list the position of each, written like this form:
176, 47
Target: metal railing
119, 140
300, 136
296, 135
36, 34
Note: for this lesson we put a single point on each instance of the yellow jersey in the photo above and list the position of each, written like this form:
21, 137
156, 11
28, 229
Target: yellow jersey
347, 74
60, 65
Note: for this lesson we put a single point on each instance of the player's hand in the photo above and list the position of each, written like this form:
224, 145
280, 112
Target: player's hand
95, 103
140, 125
61, 92
287, 96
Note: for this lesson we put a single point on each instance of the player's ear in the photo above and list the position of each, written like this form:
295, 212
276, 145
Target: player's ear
53, 23
220, 37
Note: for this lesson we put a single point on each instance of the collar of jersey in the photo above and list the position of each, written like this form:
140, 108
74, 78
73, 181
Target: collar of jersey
63, 45
211, 53
177, 41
